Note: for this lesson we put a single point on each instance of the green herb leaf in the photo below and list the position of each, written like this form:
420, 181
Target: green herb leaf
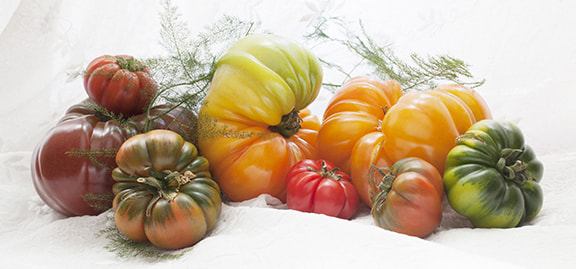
420, 73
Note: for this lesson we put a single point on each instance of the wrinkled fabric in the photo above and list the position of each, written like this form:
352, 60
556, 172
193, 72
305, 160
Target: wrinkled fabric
524, 50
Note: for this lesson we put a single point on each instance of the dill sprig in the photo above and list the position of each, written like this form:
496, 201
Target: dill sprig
185, 72
420, 73
124, 247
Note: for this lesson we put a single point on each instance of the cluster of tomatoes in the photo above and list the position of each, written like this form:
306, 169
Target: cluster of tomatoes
399, 153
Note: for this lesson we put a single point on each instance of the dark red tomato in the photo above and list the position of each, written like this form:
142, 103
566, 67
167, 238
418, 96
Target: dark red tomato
72, 164
121, 84
319, 187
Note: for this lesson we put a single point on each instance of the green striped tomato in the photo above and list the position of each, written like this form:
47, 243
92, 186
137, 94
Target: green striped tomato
492, 177
164, 191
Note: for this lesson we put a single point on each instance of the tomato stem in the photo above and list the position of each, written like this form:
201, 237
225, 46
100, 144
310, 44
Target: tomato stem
383, 186
130, 64
511, 168
167, 183
289, 125
325, 173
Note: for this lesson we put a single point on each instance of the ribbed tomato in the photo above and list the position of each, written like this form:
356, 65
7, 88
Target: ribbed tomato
492, 177
254, 122
407, 198
164, 191
372, 122
121, 84
72, 164
318, 186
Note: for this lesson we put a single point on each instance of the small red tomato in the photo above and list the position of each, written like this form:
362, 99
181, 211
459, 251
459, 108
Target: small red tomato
319, 187
121, 84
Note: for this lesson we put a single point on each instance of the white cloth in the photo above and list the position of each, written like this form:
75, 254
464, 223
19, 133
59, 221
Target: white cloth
524, 49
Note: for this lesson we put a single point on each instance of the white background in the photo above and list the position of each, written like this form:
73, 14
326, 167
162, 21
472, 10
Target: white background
526, 51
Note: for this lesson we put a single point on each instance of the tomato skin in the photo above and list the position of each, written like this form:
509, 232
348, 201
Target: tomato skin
72, 163
250, 129
435, 119
354, 111
318, 186
150, 205
372, 122
478, 181
120, 84
412, 205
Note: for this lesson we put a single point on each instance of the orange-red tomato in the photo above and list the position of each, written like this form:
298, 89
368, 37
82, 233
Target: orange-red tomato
408, 198
371, 122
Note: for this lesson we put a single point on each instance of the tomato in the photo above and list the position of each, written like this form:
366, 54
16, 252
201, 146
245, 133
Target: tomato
319, 187
121, 84
372, 122
492, 177
408, 198
72, 164
254, 124
164, 191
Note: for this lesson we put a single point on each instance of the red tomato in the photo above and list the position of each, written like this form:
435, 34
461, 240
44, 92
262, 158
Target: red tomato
72, 164
121, 84
319, 187
408, 198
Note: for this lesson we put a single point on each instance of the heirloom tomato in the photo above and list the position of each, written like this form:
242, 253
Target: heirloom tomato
492, 177
318, 186
121, 84
371, 122
72, 164
254, 122
164, 191
408, 197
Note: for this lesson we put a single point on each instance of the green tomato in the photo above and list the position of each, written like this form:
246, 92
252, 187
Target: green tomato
492, 177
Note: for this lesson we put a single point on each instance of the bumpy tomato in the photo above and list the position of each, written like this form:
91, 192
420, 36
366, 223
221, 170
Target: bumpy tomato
254, 122
408, 198
371, 122
121, 84
492, 177
165, 193
72, 164
319, 187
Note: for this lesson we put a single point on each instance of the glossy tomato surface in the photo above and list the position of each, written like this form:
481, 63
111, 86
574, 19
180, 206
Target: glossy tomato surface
492, 177
318, 186
372, 122
408, 198
121, 84
254, 122
72, 164
164, 191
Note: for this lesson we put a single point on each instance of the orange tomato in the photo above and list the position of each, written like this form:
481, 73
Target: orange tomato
254, 125
372, 122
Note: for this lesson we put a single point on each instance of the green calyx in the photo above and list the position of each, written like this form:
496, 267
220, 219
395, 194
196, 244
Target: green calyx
325, 173
289, 126
511, 168
382, 188
130, 64
165, 184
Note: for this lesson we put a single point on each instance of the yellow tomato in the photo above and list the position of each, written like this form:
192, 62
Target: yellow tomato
254, 124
